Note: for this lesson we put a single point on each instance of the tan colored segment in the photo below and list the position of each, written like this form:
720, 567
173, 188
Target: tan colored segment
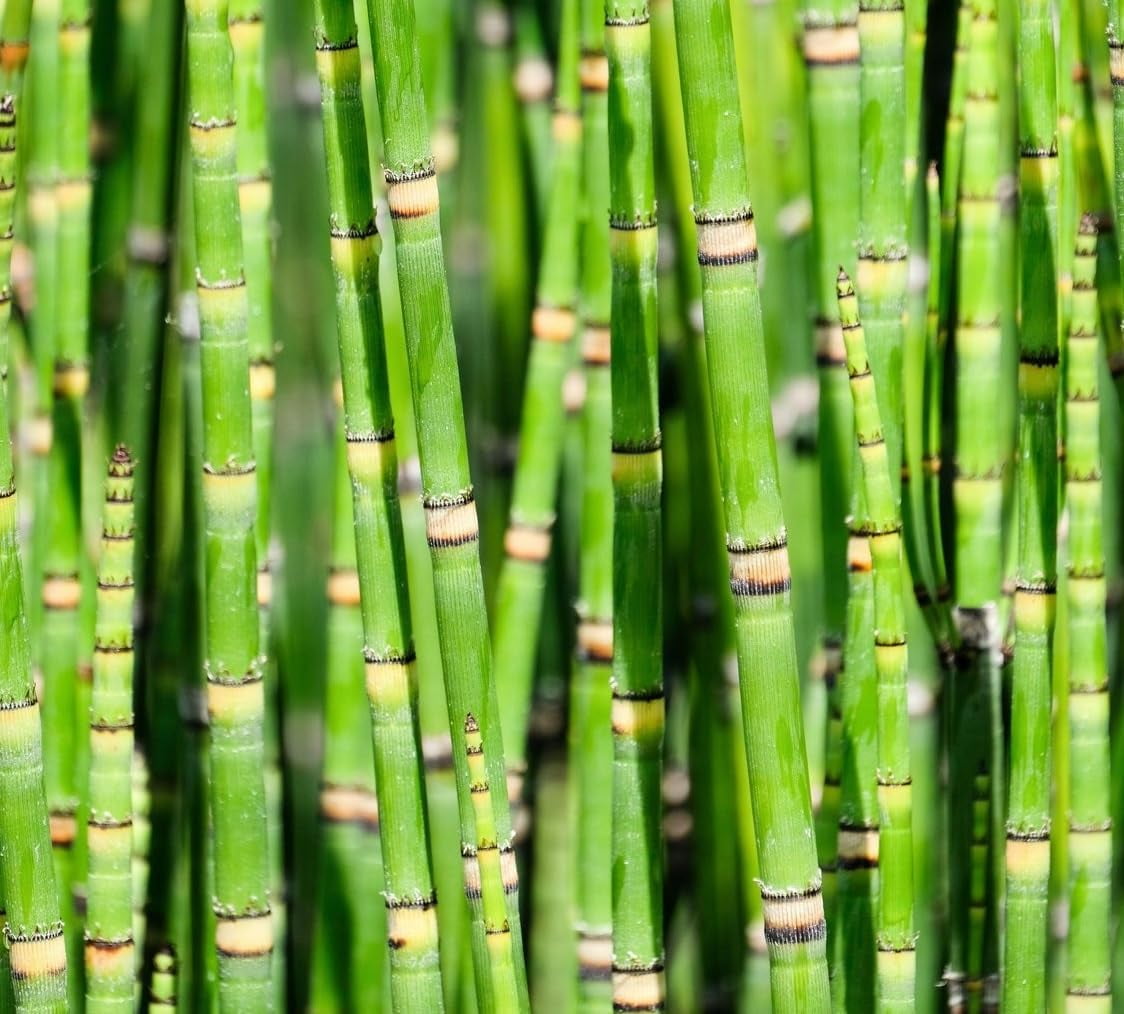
727, 241
897, 966
595, 951
245, 33
348, 254
566, 126
212, 139
71, 380
637, 718
38, 435
640, 990
1028, 858
858, 844
110, 743
597, 344
110, 839
109, 960
18, 724
594, 72
337, 393
509, 870
471, 873
347, 805
515, 779
1116, 62
230, 702
534, 80
388, 680
792, 913
553, 323
446, 147
255, 194
451, 525
1034, 609
247, 937
413, 198
265, 587
1088, 1003
72, 194
573, 391
595, 638
410, 927
527, 542
263, 381
39, 957
371, 457
761, 568
343, 587
830, 344
64, 829
837, 44
238, 486
858, 553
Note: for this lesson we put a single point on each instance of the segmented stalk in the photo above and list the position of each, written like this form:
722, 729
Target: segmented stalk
1088, 966
831, 57
637, 475
529, 535
452, 529
760, 576
110, 950
1028, 813
388, 651
591, 695
235, 692
33, 931
883, 249
162, 985
896, 960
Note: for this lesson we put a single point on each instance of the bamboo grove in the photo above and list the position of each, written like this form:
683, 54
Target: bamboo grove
561, 505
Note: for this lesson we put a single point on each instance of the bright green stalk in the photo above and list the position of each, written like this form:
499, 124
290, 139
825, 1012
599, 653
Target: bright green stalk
534, 84
388, 652
235, 694
883, 267
637, 673
831, 55
896, 961
1028, 813
759, 571
916, 28
591, 696
351, 924
111, 960
1090, 821
527, 542
162, 986
950, 167
33, 931
139, 858
452, 529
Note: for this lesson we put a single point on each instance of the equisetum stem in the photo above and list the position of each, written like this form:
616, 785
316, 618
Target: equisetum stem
33, 931
896, 958
760, 576
1028, 813
1089, 965
109, 943
232, 665
372, 461
637, 475
452, 529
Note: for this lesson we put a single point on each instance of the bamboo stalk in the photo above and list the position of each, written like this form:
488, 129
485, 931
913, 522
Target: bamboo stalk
530, 530
896, 961
790, 880
111, 962
637, 674
388, 652
1028, 814
162, 989
591, 696
33, 931
1088, 978
235, 698
452, 529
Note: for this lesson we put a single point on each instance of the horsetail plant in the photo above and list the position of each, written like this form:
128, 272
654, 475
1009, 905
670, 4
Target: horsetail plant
1090, 820
637, 672
33, 931
590, 694
896, 960
232, 666
490, 876
111, 963
1028, 814
795, 928
529, 535
388, 646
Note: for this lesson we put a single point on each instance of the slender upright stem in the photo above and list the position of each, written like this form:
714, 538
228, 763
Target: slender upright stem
637, 680
452, 530
760, 576
1028, 813
388, 652
235, 692
110, 950
33, 931
896, 960
1089, 981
